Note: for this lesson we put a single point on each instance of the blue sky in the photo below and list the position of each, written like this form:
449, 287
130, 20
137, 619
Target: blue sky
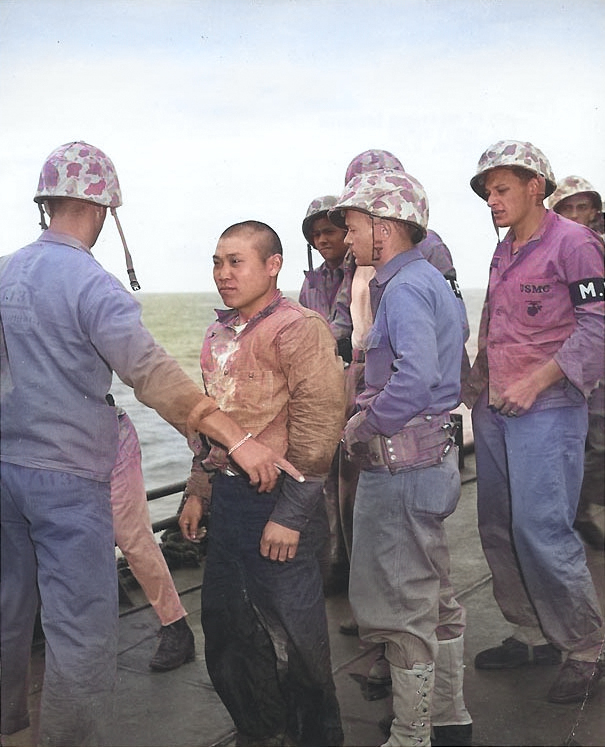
216, 111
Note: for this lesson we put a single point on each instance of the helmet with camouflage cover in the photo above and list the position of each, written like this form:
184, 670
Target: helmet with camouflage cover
574, 185
372, 160
390, 194
513, 153
317, 209
81, 171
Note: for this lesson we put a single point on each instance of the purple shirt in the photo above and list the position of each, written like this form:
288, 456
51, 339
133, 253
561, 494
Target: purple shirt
546, 302
320, 292
414, 348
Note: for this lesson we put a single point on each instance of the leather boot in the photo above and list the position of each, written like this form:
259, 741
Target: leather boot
452, 723
412, 693
380, 671
176, 646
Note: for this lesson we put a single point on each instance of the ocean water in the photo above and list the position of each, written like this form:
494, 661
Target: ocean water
178, 321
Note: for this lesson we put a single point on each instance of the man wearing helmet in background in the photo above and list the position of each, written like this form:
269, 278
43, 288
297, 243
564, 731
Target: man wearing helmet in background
540, 355
66, 325
576, 199
402, 439
321, 285
319, 292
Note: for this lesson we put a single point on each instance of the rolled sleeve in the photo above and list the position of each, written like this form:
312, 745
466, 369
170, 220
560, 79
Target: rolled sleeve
581, 357
297, 502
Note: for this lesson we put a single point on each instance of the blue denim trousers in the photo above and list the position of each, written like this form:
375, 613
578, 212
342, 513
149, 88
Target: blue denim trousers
57, 536
399, 585
529, 474
267, 646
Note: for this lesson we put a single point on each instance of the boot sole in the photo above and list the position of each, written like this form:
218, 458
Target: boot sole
518, 665
159, 668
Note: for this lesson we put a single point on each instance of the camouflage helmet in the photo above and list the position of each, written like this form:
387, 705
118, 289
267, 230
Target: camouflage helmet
83, 172
317, 209
507, 153
574, 185
80, 171
372, 160
390, 194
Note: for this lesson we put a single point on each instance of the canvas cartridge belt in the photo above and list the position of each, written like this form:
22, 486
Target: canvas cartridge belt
423, 442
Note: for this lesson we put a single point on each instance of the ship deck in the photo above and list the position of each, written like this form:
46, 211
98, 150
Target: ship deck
180, 708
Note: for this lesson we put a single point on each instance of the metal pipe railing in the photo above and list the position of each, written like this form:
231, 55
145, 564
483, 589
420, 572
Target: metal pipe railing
163, 492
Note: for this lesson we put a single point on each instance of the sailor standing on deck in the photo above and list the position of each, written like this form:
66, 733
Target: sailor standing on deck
66, 326
540, 355
409, 483
273, 365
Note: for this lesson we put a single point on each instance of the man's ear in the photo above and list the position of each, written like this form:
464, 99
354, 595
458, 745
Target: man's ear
383, 228
274, 264
537, 189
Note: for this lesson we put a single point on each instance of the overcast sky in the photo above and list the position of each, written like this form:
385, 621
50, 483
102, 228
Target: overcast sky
216, 111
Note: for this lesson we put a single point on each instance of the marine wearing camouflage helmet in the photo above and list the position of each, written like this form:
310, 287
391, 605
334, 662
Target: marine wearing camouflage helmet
317, 209
529, 423
513, 154
82, 172
575, 198
573, 185
389, 194
372, 160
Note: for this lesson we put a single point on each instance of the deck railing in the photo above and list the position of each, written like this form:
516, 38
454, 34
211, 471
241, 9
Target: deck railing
163, 492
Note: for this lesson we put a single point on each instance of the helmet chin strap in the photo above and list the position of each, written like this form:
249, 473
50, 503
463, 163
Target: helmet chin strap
310, 256
43, 224
496, 227
375, 247
134, 283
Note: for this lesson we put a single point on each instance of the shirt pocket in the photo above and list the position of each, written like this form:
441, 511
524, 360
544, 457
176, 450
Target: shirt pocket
536, 301
250, 390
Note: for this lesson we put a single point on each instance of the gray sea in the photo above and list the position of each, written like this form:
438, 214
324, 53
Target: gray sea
178, 321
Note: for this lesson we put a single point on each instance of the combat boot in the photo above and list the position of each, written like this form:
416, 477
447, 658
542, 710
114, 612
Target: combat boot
176, 646
452, 723
412, 693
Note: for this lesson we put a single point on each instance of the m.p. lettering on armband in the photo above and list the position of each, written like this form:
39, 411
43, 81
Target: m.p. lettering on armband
587, 290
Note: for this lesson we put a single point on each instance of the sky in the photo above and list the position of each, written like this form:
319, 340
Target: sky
216, 111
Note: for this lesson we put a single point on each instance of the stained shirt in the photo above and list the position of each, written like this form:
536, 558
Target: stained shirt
280, 379
546, 302
68, 324
414, 348
319, 293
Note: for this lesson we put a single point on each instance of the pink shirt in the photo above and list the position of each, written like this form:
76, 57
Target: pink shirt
547, 302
